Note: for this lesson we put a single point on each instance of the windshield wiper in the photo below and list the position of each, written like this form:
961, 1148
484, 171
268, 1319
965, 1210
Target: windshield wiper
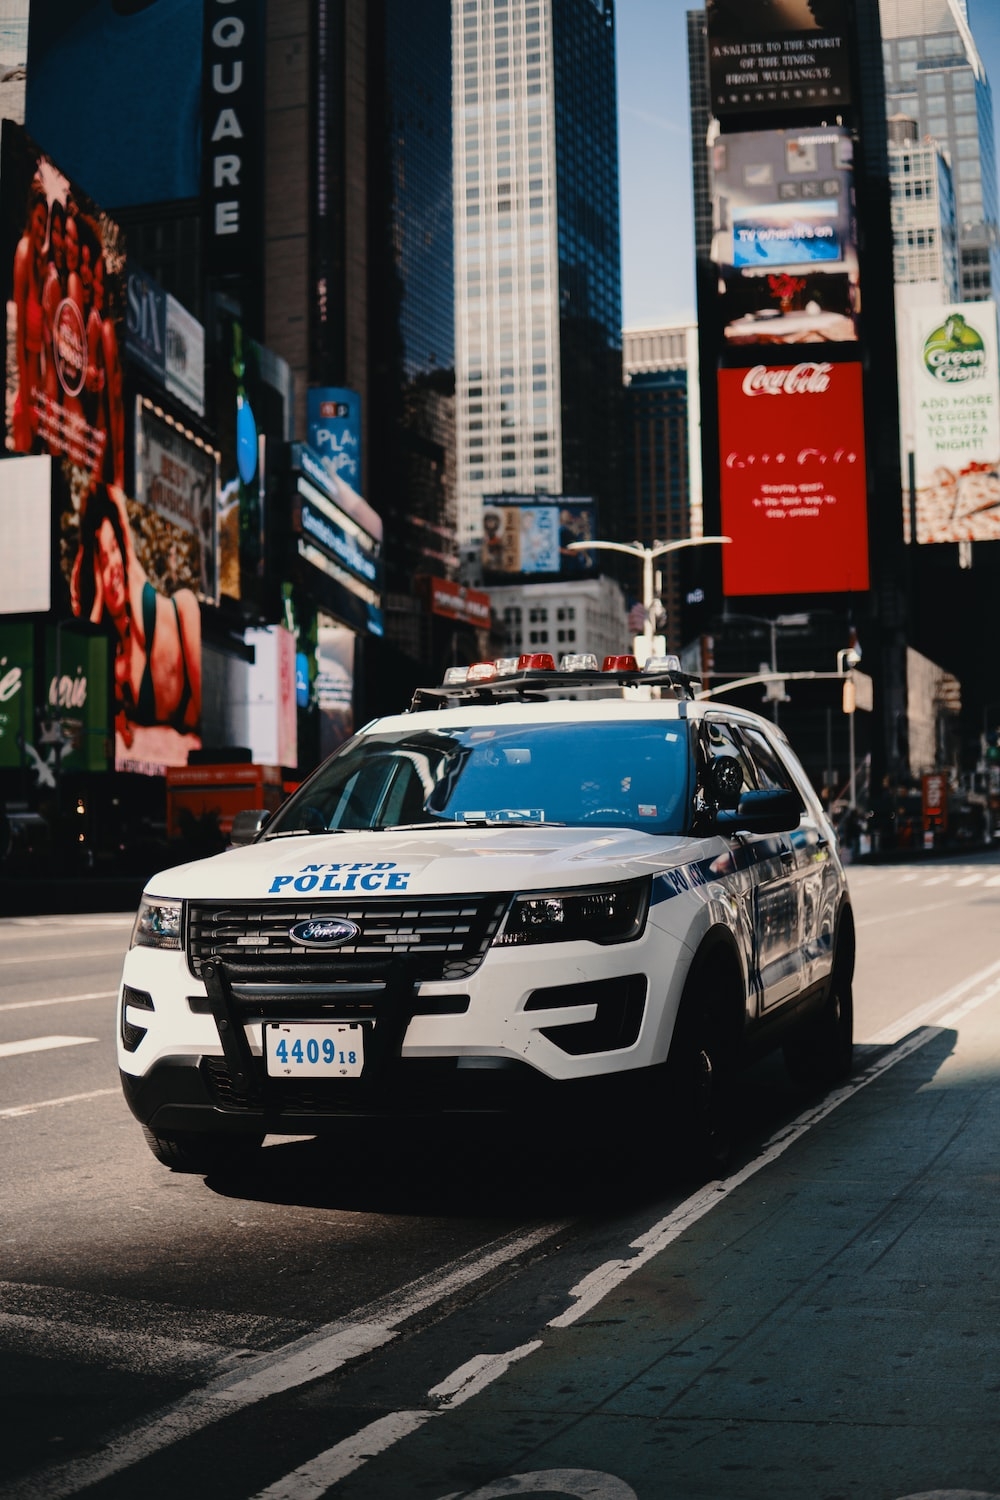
289, 833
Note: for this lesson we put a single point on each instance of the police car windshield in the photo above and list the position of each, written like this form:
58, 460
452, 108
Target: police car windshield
633, 773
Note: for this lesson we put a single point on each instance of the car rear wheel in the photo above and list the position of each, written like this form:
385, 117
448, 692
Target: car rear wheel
194, 1151
821, 1053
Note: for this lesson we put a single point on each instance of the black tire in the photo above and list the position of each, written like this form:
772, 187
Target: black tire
821, 1052
700, 1071
194, 1151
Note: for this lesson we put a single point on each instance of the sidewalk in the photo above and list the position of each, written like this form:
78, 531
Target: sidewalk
829, 1330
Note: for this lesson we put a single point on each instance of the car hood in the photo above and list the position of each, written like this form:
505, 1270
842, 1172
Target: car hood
445, 862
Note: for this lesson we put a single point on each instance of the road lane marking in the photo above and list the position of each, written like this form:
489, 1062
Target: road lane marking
920, 1014
29, 1109
303, 1360
329, 1347
60, 1000
61, 957
42, 1044
970, 879
327, 1469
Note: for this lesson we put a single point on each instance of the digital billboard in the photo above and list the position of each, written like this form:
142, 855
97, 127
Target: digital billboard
793, 478
153, 52
952, 386
530, 534
163, 339
26, 529
334, 424
777, 54
784, 241
17, 692
339, 541
61, 267
175, 476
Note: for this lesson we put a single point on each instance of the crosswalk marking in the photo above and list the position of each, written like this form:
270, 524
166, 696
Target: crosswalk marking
970, 879
59, 1000
42, 1044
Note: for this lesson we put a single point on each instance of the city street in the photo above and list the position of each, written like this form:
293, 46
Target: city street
479, 1313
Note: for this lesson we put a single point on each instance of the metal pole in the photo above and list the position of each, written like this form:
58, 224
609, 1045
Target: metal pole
850, 751
647, 597
773, 624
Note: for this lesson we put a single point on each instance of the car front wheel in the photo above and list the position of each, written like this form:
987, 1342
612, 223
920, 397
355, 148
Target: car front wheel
194, 1151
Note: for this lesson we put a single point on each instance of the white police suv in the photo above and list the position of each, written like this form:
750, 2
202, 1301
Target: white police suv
537, 888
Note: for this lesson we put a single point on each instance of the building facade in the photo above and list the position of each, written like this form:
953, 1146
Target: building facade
537, 259
934, 75
924, 221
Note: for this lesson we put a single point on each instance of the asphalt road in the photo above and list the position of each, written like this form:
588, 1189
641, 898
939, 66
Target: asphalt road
490, 1315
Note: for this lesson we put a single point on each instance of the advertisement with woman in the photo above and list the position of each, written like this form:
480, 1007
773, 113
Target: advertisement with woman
118, 563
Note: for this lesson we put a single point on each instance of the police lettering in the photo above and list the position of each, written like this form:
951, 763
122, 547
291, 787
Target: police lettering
362, 875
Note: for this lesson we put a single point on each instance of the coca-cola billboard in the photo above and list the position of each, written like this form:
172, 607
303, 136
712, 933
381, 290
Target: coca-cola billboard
793, 479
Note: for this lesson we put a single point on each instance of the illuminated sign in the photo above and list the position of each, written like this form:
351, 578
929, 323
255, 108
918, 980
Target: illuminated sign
792, 464
951, 386
453, 601
26, 528
774, 55
175, 474
531, 534
334, 423
164, 339
342, 556
784, 236
61, 264
232, 147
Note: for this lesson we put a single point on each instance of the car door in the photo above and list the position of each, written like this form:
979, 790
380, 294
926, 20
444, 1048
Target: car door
769, 862
815, 870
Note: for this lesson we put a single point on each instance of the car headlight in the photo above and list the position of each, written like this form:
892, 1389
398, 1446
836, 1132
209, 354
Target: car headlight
157, 925
606, 914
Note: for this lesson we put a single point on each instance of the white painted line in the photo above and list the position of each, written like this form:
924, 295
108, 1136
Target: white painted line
921, 1014
303, 1360
61, 956
316, 1477
42, 1044
970, 879
61, 1000
911, 911
326, 1469
993, 880
938, 879
15, 1111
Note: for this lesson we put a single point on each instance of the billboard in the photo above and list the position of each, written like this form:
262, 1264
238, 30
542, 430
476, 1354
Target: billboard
164, 340
792, 465
951, 382
61, 267
153, 53
334, 418
75, 711
17, 692
125, 568
777, 54
175, 473
784, 240
530, 534
26, 529
338, 540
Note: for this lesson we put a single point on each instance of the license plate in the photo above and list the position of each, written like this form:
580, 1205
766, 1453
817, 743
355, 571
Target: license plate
313, 1051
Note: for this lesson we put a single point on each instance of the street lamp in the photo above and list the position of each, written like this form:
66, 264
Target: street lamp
780, 622
648, 555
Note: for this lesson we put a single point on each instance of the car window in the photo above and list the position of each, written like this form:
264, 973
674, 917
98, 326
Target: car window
771, 772
720, 739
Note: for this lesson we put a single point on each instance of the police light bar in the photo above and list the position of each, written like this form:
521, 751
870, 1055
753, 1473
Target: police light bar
662, 664
578, 661
620, 664
536, 661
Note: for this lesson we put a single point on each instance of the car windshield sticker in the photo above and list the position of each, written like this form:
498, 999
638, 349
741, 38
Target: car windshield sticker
505, 815
362, 875
647, 809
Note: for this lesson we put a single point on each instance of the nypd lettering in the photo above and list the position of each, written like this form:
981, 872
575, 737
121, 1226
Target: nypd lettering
361, 875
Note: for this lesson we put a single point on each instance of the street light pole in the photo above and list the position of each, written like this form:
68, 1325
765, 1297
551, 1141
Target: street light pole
648, 556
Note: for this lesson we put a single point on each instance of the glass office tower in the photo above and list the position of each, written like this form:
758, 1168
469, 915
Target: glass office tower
934, 75
538, 266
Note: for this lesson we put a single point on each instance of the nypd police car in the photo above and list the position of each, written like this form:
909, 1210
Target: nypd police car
535, 889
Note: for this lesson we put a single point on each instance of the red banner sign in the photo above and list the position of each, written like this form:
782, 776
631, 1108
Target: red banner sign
793, 479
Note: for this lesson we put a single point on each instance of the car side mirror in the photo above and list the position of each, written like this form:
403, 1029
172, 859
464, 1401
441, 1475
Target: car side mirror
246, 826
772, 811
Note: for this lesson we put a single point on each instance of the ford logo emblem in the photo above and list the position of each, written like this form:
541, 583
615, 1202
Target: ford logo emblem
323, 934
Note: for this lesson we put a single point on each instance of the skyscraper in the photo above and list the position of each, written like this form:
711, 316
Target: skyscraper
538, 279
935, 76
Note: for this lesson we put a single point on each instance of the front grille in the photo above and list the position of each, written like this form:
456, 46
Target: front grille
433, 938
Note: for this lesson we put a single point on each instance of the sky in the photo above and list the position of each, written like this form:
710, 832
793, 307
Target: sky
655, 151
